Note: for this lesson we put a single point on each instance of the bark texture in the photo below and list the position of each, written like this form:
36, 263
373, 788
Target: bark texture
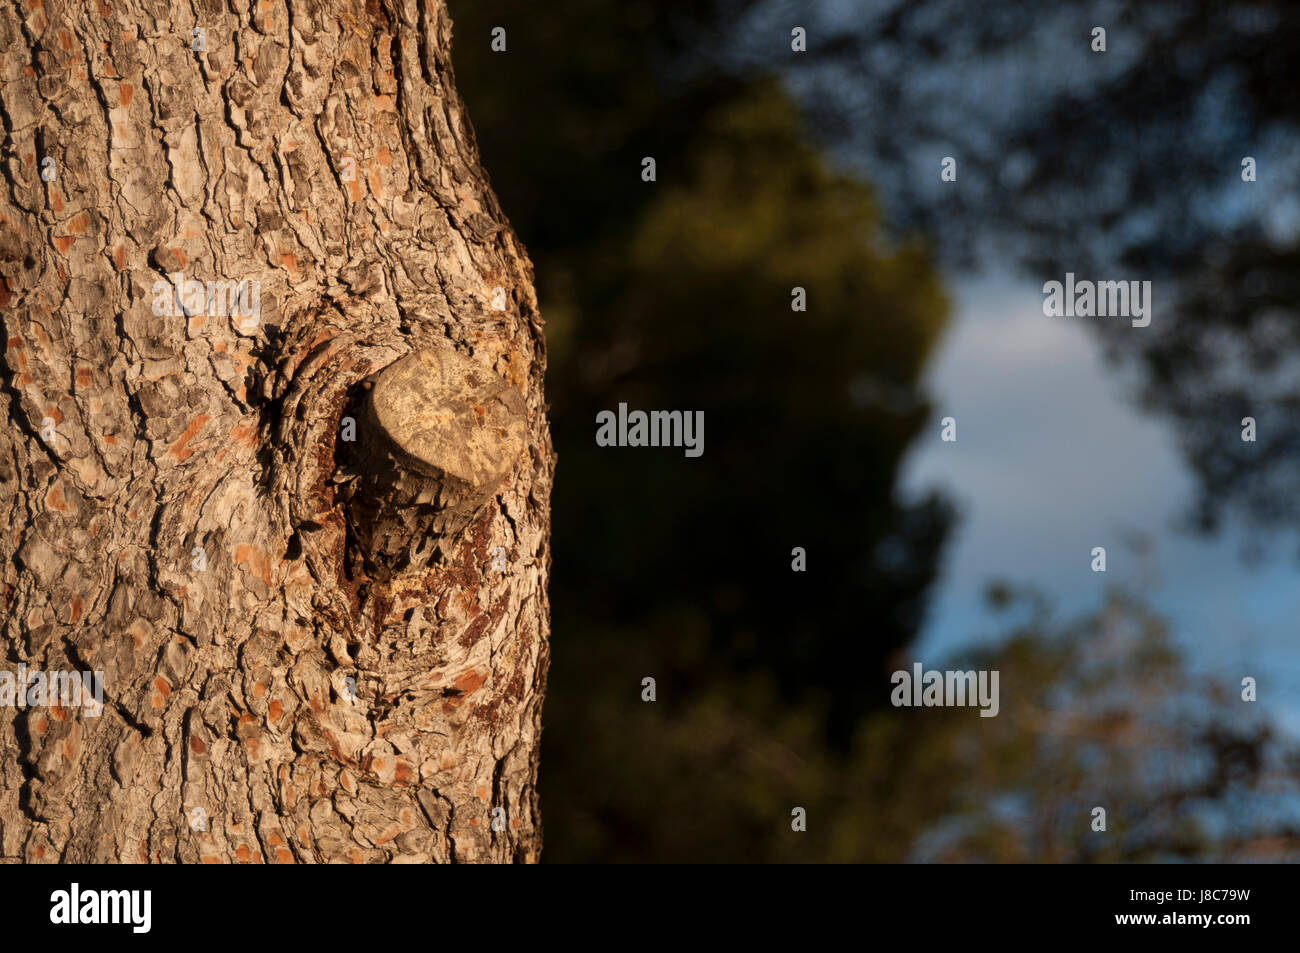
180, 511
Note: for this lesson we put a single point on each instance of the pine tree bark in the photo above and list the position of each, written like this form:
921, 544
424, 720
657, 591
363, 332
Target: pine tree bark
313, 648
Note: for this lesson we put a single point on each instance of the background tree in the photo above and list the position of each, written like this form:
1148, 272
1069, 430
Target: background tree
1121, 164
676, 294
184, 509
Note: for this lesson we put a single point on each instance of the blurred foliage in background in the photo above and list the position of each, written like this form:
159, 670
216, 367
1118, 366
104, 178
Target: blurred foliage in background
773, 685
1125, 163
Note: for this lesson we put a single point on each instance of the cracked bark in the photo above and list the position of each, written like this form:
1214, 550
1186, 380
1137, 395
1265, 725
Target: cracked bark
330, 565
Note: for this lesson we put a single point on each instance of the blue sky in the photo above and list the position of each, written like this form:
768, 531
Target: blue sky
1053, 458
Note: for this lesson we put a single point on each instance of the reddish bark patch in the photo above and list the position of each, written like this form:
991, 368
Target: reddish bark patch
179, 449
474, 631
470, 682
124, 93
245, 433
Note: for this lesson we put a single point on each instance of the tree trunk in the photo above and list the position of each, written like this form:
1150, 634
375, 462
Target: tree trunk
268, 513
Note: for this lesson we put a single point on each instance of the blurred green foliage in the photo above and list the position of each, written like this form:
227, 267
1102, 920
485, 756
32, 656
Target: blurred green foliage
772, 685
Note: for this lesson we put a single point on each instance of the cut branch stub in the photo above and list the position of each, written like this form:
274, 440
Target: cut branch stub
438, 434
